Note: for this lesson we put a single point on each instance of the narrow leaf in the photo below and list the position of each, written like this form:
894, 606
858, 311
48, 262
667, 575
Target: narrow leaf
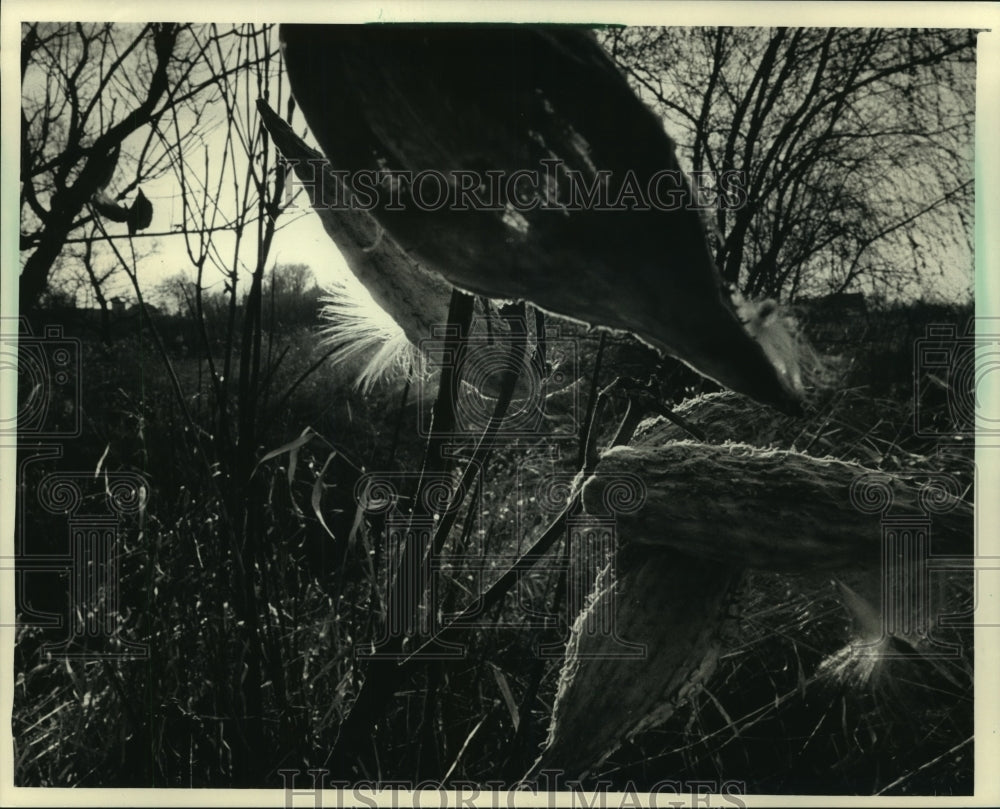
303, 439
508, 696
317, 495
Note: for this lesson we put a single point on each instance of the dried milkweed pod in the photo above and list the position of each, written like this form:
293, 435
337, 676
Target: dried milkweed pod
533, 147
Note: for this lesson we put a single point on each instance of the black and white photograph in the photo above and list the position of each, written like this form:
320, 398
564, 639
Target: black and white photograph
518, 405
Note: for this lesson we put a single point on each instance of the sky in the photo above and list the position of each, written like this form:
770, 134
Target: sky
160, 250
301, 239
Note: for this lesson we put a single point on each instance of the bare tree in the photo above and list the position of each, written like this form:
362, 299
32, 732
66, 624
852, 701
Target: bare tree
96, 100
855, 147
